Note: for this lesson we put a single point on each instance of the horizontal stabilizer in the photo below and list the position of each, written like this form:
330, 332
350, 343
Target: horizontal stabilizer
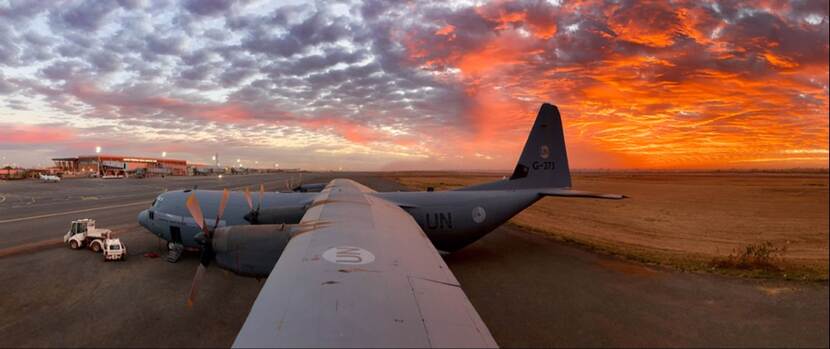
310, 188
580, 194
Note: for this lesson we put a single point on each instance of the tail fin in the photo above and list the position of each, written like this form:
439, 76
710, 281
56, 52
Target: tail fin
544, 161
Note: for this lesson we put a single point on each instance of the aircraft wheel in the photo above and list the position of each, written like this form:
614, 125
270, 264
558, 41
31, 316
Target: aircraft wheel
73, 245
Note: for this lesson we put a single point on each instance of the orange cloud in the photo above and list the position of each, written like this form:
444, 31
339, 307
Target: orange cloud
664, 89
33, 134
445, 30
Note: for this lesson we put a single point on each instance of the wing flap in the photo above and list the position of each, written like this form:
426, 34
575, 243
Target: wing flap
449, 323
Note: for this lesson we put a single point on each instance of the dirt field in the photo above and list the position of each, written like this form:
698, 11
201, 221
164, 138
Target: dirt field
688, 220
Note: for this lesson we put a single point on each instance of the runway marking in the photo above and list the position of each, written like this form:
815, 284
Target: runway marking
30, 247
2, 199
144, 202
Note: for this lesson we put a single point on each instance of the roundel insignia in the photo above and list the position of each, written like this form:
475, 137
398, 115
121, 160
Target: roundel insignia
544, 152
348, 255
479, 214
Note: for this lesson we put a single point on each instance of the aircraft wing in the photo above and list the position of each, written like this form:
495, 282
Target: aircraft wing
364, 275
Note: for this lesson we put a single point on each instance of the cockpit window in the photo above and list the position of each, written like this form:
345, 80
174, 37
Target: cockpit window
158, 200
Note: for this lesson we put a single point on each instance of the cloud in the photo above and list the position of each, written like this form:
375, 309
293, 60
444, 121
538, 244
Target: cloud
207, 7
384, 83
83, 15
12, 134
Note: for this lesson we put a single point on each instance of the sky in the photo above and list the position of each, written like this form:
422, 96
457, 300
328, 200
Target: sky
408, 85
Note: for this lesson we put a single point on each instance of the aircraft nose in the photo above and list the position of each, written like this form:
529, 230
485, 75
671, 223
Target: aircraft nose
143, 219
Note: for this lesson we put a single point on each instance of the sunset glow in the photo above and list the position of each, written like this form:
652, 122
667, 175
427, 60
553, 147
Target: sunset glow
417, 85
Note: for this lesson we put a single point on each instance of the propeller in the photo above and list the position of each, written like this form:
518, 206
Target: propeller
205, 238
253, 216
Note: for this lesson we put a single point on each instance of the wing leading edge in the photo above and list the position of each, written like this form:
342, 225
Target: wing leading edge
365, 275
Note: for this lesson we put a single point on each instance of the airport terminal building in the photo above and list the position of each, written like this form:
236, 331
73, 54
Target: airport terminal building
104, 165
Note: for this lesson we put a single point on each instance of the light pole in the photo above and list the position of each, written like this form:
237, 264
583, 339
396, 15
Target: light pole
98, 151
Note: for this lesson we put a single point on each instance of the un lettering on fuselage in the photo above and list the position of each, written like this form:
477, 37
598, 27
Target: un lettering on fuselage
439, 220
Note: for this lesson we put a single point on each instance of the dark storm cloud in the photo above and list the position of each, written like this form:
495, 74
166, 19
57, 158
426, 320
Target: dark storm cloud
207, 7
130, 4
759, 32
22, 10
105, 61
315, 30
84, 15
233, 76
170, 45
9, 48
62, 70
808, 7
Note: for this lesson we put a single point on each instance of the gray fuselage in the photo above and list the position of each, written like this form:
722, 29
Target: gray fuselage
451, 219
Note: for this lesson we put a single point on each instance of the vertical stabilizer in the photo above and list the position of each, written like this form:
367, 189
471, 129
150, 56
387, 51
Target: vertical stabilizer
544, 161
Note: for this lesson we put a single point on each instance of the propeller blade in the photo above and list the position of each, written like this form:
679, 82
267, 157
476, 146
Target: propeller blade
261, 194
222, 204
194, 286
196, 211
248, 198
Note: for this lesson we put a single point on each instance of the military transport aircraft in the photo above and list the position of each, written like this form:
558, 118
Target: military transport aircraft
351, 267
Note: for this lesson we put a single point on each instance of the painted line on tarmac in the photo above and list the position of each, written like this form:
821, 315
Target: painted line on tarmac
144, 202
2, 199
30, 247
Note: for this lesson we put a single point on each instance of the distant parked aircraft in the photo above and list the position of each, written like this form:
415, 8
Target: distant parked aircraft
49, 178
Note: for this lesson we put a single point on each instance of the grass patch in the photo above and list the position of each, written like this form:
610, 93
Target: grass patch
761, 256
763, 260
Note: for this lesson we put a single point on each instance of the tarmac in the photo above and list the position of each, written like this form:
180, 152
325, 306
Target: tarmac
530, 290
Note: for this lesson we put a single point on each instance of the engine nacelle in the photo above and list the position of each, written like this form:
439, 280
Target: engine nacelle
251, 250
